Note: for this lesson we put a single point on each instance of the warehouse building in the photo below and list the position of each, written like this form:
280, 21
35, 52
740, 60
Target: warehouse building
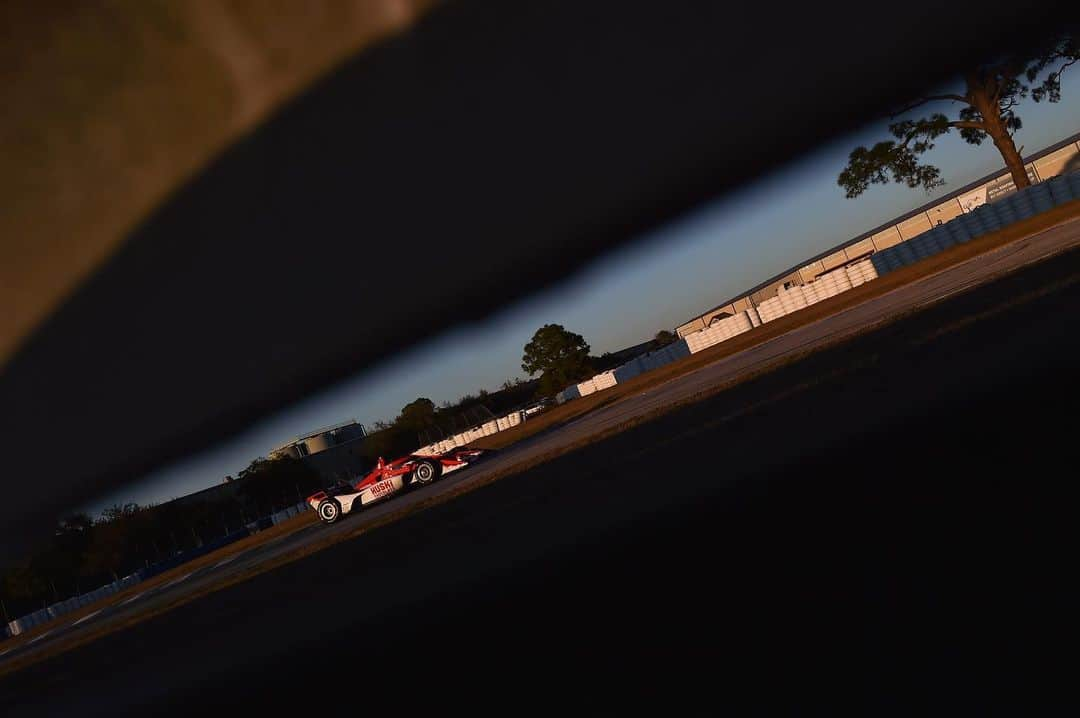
1040, 166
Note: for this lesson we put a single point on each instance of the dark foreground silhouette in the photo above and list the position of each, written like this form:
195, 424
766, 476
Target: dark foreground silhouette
883, 525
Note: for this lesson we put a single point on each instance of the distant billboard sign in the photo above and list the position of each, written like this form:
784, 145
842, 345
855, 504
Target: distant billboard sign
973, 199
1004, 186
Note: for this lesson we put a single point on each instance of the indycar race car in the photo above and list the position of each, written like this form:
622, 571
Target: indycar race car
388, 479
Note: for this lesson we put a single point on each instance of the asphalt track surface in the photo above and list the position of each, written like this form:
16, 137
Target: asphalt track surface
144, 662
919, 293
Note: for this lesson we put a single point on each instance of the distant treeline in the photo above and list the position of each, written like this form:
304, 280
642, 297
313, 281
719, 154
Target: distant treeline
421, 422
85, 553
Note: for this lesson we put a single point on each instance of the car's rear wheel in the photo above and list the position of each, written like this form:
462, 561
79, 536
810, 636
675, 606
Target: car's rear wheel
329, 511
425, 472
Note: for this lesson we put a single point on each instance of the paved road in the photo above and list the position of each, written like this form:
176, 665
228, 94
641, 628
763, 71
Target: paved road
826, 543
922, 292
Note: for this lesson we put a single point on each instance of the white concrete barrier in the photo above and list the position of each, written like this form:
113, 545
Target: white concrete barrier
843, 283
771, 310
586, 387
604, 380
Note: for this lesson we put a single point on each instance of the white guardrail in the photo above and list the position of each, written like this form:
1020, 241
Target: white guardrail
25, 623
490, 428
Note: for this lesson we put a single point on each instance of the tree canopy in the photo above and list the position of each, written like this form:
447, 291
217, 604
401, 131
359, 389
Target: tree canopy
418, 414
986, 107
558, 355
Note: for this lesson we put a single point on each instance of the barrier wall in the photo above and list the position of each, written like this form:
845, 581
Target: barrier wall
628, 371
288, 512
604, 380
922, 241
1043, 168
722, 330
48, 613
37, 618
567, 394
770, 310
982, 220
586, 387
461, 439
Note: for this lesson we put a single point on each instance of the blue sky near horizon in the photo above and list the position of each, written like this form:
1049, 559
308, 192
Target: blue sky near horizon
658, 281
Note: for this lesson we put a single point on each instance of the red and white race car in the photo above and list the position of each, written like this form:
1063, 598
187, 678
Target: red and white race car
387, 479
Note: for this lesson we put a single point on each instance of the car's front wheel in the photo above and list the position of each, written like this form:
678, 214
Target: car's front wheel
329, 511
425, 472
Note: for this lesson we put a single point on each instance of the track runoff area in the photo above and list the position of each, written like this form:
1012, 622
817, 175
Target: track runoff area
305, 535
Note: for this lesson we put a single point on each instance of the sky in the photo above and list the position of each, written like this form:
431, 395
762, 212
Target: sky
659, 281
